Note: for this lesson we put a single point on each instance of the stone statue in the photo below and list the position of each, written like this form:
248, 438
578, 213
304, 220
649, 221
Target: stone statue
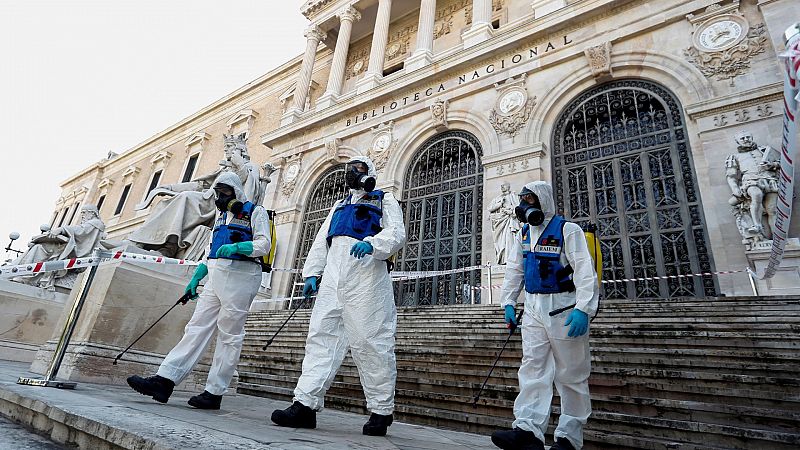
71, 241
180, 225
504, 221
752, 175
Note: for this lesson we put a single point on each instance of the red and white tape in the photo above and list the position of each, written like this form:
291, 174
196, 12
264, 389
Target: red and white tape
88, 261
791, 109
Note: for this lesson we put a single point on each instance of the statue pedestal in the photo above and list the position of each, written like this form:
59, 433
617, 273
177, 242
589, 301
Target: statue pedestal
125, 298
787, 279
29, 315
498, 273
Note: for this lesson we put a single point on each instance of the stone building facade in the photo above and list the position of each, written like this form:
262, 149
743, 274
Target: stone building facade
629, 107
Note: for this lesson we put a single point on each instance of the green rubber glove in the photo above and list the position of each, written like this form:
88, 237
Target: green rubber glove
228, 250
199, 274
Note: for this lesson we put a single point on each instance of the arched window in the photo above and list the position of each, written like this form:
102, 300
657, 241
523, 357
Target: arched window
621, 159
327, 191
443, 210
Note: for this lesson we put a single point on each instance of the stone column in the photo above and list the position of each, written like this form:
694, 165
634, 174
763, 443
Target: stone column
377, 53
346, 18
313, 36
423, 55
481, 28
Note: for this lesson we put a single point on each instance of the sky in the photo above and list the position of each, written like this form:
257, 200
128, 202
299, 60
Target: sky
81, 78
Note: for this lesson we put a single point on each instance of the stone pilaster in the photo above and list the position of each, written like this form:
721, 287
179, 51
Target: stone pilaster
346, 18
377, 52
423, 55
481, 28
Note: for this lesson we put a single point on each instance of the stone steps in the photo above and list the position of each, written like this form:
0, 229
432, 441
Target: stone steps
686, 374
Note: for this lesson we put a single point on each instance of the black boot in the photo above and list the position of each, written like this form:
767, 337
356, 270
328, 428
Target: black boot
206, 400
158, 387
296, 416
377, 425
562, 443
517, 439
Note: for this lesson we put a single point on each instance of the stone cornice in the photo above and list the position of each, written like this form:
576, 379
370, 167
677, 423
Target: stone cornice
508, 37
312, 8
737, 100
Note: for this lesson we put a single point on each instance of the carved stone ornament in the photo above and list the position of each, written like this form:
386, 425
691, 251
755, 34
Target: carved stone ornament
599, 57
332, 148
513, 107
382, 145
723, 46
293, 167
439, 113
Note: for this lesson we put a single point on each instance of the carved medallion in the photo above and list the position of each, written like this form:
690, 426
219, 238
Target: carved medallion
723, 45
513, 107
383, 143
720, 33
291, 174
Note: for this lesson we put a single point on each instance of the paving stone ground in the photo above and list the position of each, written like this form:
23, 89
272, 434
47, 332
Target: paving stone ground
243, 422
16, 437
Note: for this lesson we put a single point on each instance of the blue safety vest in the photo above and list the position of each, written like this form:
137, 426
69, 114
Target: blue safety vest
544, 273
358, 220
238, 230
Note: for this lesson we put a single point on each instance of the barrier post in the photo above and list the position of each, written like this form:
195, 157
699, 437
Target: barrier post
66, 335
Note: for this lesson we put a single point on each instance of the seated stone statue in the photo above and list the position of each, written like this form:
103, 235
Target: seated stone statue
180, 225
71, 241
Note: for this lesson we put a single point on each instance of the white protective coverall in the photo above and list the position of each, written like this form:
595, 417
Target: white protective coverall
548, 354
354, 308
222, 304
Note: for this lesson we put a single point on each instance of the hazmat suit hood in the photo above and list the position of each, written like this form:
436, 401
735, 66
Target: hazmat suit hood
544, 191
232, 180
371, 171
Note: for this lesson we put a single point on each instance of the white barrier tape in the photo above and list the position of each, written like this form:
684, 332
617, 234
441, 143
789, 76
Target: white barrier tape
624, 280
415, 275
668, 277
791, 109
277, 269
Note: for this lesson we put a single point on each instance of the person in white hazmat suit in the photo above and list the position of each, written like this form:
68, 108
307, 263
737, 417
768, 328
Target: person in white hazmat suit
551, 261
355, 304
241, 234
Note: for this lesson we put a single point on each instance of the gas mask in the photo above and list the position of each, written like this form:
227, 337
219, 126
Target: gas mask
529, 213
359, 180
226, 202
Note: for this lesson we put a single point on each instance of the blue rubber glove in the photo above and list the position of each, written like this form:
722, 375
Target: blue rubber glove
361, 249
228, 250
579, 321
511, 315
310, 287
199, 274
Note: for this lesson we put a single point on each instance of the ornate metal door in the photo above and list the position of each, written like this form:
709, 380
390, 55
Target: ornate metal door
443, 215
621, 159
329, 189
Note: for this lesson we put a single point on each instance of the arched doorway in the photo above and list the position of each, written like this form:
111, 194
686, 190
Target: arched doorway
329, 189
443, 214
621, 159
